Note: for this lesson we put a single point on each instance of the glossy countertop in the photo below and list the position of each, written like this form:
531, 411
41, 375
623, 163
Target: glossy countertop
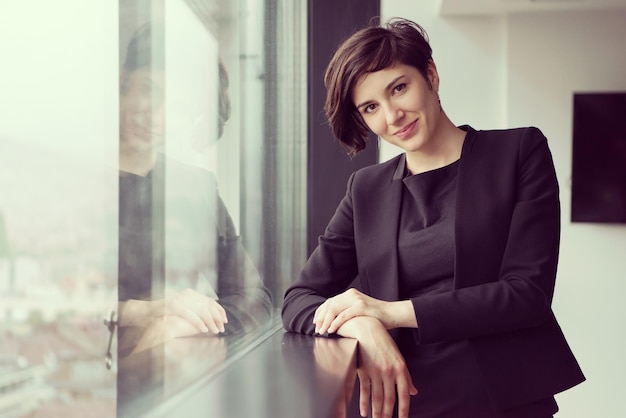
280, 374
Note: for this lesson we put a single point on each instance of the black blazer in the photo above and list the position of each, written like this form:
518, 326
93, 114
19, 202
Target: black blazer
507, 230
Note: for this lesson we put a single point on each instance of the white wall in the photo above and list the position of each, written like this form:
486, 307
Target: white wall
551, 56
520, 70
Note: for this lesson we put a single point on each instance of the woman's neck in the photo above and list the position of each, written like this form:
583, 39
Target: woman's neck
138, 163
445, 147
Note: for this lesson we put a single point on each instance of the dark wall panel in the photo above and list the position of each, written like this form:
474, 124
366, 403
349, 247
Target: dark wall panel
329, 23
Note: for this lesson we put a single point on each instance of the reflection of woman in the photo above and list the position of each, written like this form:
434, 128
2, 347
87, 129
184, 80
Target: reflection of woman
173, 226
455, 244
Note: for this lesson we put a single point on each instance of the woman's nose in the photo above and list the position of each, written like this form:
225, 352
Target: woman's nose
157, 118
393, 113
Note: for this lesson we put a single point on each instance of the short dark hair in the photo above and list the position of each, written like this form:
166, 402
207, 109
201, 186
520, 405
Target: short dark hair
140, 54
140, 51
370, 49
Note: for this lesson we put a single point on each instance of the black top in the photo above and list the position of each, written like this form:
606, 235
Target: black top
137, 258
445, 373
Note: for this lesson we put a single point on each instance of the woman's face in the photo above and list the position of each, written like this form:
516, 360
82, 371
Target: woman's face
142, 113
400, 106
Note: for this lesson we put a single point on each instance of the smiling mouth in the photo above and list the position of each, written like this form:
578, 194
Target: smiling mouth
406, 128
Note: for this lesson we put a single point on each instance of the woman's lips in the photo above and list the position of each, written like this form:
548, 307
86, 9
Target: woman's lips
407, 130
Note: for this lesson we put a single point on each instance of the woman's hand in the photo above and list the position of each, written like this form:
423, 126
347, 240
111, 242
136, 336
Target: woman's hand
163, 329
336, 311
382, 370
330, 354
201, 311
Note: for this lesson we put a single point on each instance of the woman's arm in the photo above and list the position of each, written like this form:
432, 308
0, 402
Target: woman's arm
329, 270
335, 311
241, 290
203, 313
382, 370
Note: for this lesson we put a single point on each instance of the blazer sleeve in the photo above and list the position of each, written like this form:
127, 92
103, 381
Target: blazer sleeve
242, 293
329, 270
520, 293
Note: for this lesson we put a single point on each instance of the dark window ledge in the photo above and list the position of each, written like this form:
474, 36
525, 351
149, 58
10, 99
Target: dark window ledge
284, 375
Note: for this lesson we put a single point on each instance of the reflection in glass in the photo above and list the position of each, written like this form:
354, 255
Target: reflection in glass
58, 207
183, 270
74, 107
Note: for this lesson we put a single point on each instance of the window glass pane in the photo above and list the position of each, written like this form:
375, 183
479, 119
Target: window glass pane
58, 206
152, 174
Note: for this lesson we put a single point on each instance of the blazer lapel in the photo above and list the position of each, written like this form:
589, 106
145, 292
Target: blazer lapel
381, 259
478, 228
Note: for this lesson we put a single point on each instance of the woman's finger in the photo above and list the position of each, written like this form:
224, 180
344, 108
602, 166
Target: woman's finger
389, 397
222, 312
212, 316
192, 317
187, 307
319, 314
378, 397
325, 321
406, 389
364, 393
341, 319
218, 314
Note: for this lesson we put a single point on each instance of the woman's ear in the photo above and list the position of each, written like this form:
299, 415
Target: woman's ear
433, 75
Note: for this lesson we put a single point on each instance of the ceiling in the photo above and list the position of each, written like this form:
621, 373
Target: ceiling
499, 7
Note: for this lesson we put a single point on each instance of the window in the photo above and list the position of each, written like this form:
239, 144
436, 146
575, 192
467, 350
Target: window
152, 160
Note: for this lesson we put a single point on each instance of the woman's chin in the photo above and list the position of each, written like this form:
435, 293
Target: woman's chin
139, 143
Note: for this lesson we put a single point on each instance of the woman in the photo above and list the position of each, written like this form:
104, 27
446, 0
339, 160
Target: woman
454, 243
182, 267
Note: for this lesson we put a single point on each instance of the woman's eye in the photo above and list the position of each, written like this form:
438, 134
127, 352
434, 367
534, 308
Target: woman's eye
145, 88
369, 108
399, 88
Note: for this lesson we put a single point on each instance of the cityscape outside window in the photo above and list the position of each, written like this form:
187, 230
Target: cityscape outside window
152, 183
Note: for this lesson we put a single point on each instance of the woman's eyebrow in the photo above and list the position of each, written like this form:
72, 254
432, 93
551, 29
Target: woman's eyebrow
394, 81
154, 86
388, 87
